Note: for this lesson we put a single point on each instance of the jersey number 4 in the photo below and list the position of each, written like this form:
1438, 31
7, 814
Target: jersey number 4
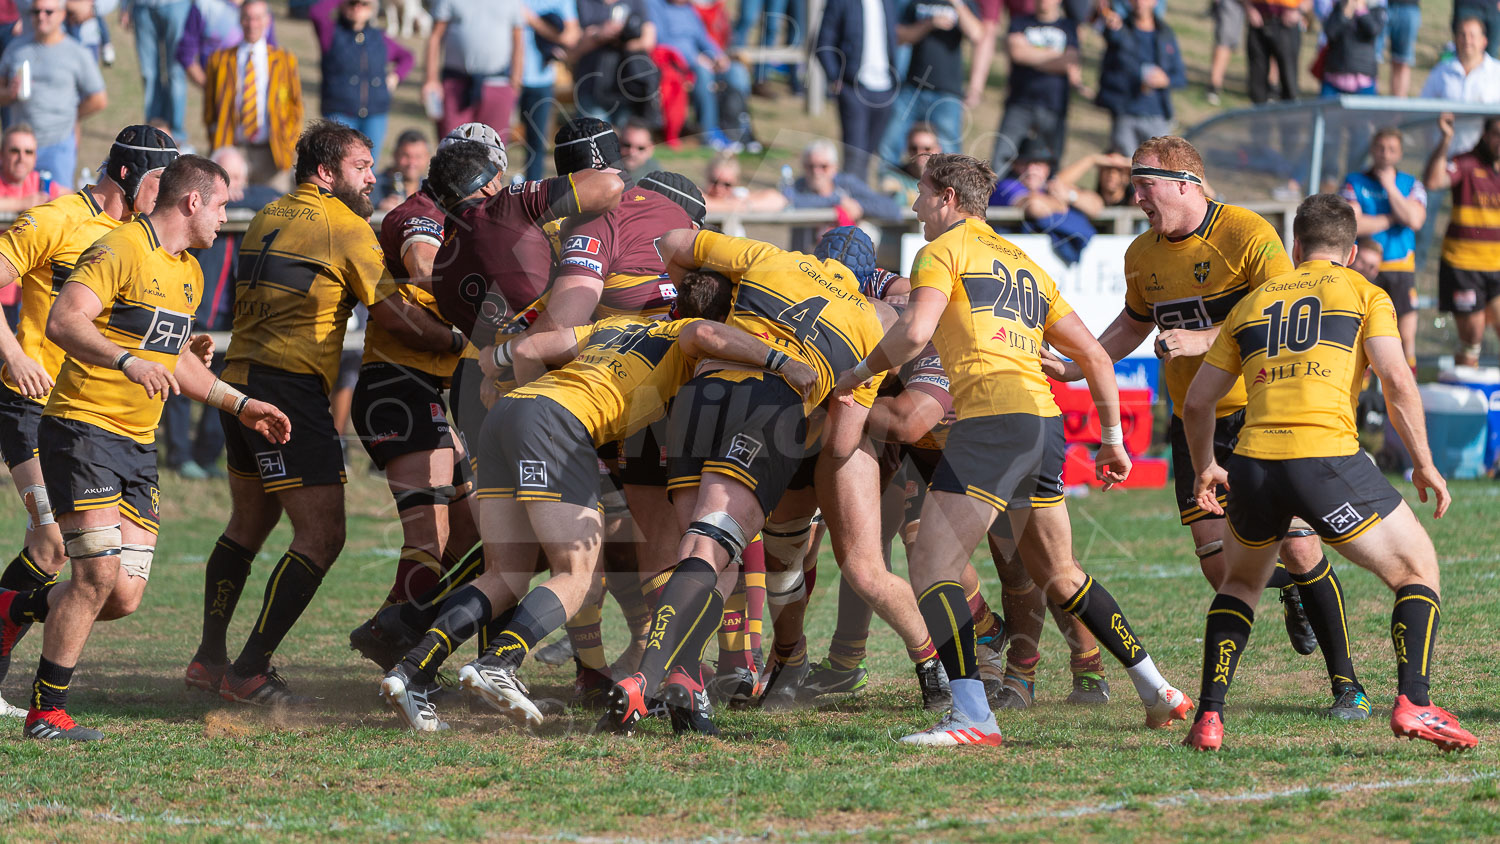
1015, 297
1296, 331
802, 318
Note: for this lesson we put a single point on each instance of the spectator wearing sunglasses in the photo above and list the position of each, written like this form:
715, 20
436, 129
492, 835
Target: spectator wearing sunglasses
66, 87
723, 193
901, 182
637, 149
21, 186
361, 66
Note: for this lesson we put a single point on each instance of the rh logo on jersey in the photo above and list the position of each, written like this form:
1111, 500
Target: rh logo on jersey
533, 472
1181, 313
582, 243
271, 465
167, 333
1343, 518
742, 449
1200, 271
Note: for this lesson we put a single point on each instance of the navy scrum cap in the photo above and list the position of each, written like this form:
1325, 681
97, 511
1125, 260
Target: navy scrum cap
678, 188
137, 151
850, 246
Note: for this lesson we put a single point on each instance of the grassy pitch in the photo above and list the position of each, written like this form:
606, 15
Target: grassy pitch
180, 765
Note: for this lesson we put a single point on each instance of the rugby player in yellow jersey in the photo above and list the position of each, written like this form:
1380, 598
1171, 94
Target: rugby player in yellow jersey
988, 308
38, 251
736, 437
1301, 343
123, 318
305, 261
539, 483
1182, 277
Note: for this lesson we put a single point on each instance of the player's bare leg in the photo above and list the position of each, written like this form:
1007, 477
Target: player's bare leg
37, 564
790, 538
421, 484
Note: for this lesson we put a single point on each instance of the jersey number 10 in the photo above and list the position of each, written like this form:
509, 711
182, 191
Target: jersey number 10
1297, 330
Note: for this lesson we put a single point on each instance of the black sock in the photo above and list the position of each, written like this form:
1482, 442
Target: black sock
293, 583
463, 615
538, 614
30, 607
23, 575
1323, 600
223, 580
685, 610
50, 688
951, 626
1280, 577
1224, 638
1414, 624
1096, 608
493, 629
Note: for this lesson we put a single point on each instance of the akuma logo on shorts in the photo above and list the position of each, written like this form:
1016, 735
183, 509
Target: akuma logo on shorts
533, 473
742, 449
1343, 518
582, 243
271, 464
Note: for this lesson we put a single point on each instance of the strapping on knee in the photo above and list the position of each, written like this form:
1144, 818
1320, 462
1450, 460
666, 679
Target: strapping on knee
87, 543
723, 529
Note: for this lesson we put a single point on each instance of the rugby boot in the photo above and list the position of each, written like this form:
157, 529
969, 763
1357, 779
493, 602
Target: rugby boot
991, 664
205, 676
557, 653
626, 706
687, 704
385, 638
1430, 723
1089, 690
1349, 703
411, 700
502, 690
968, 722
1016, 693
267, 689
1170, 705
1207, 733
824, 680
9, 711
782, 685
1298, 628
591, 688
933, 681
55, 725
736, 688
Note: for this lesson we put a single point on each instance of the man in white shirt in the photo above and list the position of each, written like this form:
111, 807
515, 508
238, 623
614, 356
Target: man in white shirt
1471, 76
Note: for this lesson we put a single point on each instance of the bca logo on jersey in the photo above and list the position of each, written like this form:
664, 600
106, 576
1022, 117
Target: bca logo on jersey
742, 449
1200, 271
533, 472
1343, 518
271, 465
582, 243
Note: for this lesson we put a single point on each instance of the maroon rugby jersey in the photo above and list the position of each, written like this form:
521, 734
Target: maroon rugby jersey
496, 260
619, 249
418, 219
925, 374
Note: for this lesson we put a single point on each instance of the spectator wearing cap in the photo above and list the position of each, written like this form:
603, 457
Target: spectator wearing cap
1274, 34
158, 27
1471, 76
409, 162
474, 61
551, 31
637, 149
21, 185
361, 66
66, 87
1352, 29
857, 49
252, 99
1142, 65
680, 28
1057, 208
1045, 68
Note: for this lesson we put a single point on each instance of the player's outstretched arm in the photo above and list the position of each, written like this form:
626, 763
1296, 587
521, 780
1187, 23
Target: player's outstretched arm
707, 339
1119, 339
1072, 338
70, 324
908, 336
200, 384
1403, 404
571, 301
1198, 407
531, 354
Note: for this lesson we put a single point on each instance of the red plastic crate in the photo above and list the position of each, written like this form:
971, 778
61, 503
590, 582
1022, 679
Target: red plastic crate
1145, 472
1081, 418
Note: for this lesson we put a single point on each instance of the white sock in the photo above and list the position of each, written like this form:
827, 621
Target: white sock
1146, 679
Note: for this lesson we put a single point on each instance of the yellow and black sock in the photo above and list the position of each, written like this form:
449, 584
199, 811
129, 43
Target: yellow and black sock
29, 607
687, 616
951, 627
585, 631
50, 688
1414, 624
290, 589
23, 574
1224, 638
1323, 600
223, 581
538, 614
1096, 608
1280, 577
463, 615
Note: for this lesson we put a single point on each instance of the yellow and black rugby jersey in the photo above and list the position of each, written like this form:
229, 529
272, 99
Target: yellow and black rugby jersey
1194, 282
149, 299
626, 371
42, 245
1000, 304
1298, 343
811, 310
304, 263
381, 346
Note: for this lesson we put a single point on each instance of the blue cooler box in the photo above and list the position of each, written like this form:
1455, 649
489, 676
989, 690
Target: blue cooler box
1457, 428
1485, 379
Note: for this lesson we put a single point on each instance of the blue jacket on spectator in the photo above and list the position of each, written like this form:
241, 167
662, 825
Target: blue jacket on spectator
1127, 51
874, 203
354, 67
841, 38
